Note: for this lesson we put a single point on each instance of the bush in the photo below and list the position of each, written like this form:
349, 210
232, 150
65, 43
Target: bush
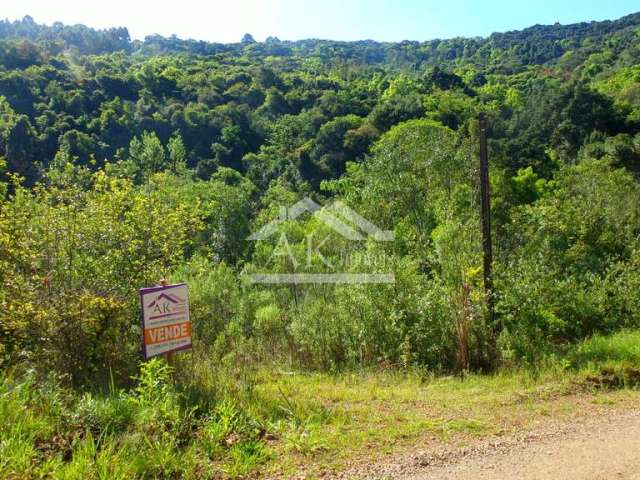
574, 270
215, 298
71, 261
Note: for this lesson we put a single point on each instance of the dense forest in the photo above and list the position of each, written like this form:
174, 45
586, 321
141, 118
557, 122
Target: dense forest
126, 161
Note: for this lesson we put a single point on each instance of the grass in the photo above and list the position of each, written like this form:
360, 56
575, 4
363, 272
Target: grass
621, 347
149, 432
379, 412
612, 361
265, 422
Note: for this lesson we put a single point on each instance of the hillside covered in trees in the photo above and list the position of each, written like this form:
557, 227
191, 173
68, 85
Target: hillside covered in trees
125, 161
303, 109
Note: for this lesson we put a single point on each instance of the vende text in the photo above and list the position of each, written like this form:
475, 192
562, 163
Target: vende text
167, 333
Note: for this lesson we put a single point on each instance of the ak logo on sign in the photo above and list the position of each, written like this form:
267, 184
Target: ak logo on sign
165, 319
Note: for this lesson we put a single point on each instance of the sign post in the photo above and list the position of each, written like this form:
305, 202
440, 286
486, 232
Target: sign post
165, 320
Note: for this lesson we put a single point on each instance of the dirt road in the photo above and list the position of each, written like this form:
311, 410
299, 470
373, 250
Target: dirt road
606, 448
603, 446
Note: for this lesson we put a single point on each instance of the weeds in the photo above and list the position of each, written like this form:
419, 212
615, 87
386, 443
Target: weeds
148, 432
164, 428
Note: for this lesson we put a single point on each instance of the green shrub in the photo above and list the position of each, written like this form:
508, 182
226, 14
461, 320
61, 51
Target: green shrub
215, 298
573, 271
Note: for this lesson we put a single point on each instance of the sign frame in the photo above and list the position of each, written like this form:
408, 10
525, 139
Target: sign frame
182, 318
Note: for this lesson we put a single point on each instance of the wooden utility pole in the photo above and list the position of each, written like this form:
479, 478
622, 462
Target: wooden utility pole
487, 247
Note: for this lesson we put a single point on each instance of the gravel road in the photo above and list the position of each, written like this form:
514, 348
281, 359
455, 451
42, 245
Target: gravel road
594, 445
604, 448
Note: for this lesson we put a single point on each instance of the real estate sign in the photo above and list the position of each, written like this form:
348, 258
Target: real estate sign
165, 319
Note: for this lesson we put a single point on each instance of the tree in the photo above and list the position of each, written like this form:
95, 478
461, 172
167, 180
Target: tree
328, 155
20, 149
177, 153
147, 154
275, 103
79, 145
395, 110
247, 39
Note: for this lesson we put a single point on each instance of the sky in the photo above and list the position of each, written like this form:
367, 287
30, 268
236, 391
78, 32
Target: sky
383, 20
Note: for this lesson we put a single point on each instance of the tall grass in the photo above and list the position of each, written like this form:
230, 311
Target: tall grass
609, 361
151, 431
619, 347
208, 420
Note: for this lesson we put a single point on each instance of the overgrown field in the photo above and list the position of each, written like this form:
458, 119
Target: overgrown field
270, 422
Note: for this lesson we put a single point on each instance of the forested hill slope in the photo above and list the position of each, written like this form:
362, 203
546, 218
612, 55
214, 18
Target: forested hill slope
299, 111
535, 45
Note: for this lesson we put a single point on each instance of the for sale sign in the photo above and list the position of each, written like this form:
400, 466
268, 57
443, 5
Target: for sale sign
165, 319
